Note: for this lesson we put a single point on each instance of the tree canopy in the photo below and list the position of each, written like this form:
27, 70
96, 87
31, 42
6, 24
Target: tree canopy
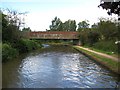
111, 7
69, 25
11, 23
26, 29
107, 29
83, 25
58, 25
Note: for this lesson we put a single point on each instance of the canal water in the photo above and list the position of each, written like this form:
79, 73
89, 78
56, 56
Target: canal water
56, 67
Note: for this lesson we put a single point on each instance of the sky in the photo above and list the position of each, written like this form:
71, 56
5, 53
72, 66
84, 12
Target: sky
42, 12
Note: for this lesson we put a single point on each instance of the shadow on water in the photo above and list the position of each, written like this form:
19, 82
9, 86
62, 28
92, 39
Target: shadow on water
56, 67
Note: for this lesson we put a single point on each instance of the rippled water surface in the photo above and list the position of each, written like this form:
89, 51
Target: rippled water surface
56, 67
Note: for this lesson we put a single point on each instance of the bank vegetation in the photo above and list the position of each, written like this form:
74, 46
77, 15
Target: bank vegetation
110, 64
14, 42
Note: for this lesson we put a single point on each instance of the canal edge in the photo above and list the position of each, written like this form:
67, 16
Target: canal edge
104, 64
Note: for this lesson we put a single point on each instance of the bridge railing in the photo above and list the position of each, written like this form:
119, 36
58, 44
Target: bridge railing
56, 35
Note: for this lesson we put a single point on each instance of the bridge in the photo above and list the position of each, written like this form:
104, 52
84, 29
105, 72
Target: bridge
55, 35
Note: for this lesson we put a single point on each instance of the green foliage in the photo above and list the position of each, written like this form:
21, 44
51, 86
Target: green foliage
58, 25
10, 29
1, 50
89, 37
8, 52
83, 37
26, 29
0, 26
21, 46
0, 45
83, 25
25, 45
101, 35
92, 37
94, 26
13, 39
111, 64
109, 46
107, 29
10, 34
25, 32
111, 7
69, 25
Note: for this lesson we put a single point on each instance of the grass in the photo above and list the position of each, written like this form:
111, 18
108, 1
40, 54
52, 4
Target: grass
106, 52
0, 50
0, 46
109, 63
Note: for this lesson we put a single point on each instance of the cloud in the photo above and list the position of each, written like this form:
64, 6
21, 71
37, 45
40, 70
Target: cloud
42, 12
44, 1
16, 0
40, 21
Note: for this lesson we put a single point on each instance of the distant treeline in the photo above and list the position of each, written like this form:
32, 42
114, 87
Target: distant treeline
101, 35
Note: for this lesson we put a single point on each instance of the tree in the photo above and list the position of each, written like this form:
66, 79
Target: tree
83, 25
73, 25
15, 18
11, 23
56, 25
26, 29
6, 34
10, 32
92, 37
111, 7
107, 29
69, 25
94, 26
0, 26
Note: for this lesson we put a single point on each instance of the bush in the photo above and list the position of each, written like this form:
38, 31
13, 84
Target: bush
25, 45
109, 46
1, 50
8, 52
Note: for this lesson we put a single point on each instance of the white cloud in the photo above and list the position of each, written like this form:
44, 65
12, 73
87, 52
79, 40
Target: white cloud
40, 21
41, 12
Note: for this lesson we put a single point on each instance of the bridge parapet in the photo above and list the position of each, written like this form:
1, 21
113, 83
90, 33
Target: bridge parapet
54, 35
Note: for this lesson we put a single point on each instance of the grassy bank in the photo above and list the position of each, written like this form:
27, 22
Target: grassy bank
114, 54
0, 50
108, 63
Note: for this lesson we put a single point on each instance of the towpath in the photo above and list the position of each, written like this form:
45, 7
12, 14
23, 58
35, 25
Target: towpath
101, 54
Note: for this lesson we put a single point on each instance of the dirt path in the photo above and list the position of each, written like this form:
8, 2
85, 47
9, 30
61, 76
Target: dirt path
102, 54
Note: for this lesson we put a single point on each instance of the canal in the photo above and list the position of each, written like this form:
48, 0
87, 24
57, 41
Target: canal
56, 67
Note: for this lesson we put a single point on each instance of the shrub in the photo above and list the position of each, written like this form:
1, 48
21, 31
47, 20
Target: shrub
25, 45
8, 52
1, 50
106, 46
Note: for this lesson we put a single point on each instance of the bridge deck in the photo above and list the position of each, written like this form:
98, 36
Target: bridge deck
54, 35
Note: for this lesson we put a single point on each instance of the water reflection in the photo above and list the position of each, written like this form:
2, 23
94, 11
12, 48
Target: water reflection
45, 45
56, 67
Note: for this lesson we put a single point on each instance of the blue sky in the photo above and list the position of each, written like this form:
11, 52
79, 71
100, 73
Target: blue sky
41, 12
